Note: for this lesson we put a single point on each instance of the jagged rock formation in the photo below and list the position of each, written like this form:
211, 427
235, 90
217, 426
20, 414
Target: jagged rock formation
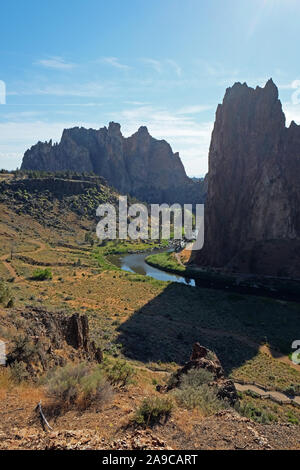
54, 338
140, 165
203, 358
252, 216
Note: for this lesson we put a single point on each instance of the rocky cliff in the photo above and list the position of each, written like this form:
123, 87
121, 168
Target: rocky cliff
252, 215
139, 165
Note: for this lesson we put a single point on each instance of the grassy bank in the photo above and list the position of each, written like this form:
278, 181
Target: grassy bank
287, 289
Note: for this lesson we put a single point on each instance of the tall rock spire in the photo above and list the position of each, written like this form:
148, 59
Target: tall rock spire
253, 200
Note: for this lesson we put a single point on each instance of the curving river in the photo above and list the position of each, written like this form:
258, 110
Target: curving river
135, 263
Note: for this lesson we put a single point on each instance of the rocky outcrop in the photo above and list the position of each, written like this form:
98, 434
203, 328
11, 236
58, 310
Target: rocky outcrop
140, 165
252, 216
52, 338
203, 358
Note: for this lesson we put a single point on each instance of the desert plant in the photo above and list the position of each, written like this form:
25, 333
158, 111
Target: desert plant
255, 413
78, 384
5, 293
193, 378
153, 410
120, 373
203, 397
196, 377
42, 274
22, 349
19, 371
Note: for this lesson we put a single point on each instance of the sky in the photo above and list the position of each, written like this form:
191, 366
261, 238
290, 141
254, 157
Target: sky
161, 63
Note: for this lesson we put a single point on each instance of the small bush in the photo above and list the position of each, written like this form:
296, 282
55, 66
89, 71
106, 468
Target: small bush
153, 410
19, 371
193, 378
78, 384
120, 373
22, 349
42, 275
203, 397
196, 377
5, 293
256, 414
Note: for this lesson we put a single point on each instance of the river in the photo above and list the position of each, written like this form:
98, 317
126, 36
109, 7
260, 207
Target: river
135, 263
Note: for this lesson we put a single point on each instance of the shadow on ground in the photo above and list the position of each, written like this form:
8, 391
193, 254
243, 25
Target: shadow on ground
232, 325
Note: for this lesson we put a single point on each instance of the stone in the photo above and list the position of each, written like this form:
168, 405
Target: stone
252, 217
140, 165
203, 358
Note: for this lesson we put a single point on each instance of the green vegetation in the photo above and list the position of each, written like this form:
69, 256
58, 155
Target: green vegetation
78, 384
6, 297
19, 372
167, 262
42, 275
22, 349
194, 391
153, 410
119, 373
255, 413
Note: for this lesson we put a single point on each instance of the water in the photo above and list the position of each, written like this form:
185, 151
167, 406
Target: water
135, 263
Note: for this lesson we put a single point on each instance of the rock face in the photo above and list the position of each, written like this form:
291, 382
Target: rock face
140, 165
56, 339
252, 216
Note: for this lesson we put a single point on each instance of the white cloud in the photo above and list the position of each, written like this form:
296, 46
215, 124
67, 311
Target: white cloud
175, 66
16, 137
86, 89
57, 63
186, 136
194, 109
179, 128
292, 112
155, 64
114, 61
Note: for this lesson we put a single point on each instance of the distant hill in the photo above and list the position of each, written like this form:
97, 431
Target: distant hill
140, 165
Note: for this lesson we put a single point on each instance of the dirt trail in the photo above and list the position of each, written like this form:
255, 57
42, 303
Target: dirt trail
277, 396
11, 269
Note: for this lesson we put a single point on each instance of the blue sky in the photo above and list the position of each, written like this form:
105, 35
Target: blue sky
161, 63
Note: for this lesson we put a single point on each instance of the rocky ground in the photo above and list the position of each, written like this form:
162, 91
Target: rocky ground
151, 325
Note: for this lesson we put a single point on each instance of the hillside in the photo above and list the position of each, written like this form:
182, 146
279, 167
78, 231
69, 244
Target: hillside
143, 330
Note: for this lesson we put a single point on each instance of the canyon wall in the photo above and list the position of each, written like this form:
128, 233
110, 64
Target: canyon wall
252, 213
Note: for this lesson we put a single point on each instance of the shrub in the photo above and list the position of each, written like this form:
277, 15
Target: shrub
292, 418
203, 397
5, 293
193, 378
19, 371
120, 373
22, 349
153, 410
196, 377
42, 275
78, 384
256, 414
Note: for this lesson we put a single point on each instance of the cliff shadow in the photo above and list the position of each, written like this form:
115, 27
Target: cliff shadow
232, 325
